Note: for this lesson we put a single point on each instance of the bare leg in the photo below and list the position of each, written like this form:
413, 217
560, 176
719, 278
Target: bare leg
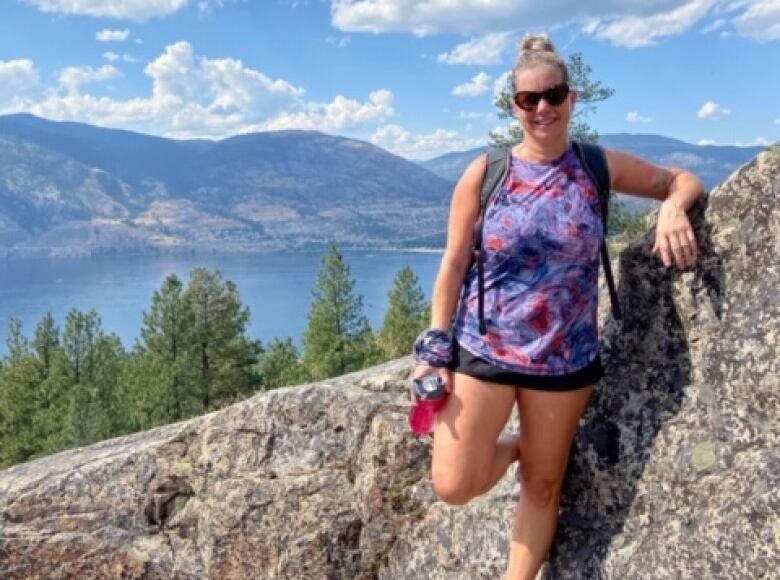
548, 422
469, 453
507, 452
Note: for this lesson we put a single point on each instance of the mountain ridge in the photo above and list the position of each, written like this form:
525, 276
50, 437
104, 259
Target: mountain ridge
71, 188
713, 163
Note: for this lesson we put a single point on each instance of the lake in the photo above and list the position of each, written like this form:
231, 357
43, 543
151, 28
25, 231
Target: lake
277, 287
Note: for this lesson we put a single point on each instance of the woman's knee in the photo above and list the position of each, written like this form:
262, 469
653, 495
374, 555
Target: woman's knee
454, 488
541, 489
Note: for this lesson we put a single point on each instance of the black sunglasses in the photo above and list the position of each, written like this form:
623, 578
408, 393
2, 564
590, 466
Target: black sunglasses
528, 100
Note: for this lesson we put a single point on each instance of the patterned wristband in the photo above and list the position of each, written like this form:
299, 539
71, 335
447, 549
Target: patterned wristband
433, 347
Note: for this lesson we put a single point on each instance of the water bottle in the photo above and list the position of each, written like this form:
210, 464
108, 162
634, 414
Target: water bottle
431, 396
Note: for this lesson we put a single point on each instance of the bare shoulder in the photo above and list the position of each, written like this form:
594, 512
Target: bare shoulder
464, 212
634, 175
470, 183
475, 171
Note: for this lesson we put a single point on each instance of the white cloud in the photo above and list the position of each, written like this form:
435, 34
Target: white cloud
107, 35
635, 31
423, 17
339, 114
757, 142
712, 110
113, 57
629, 23
401, 141
635, 117
471, 116
206, 7
484, 50
339, 41
190, 96
777, 121
501, 83
138, 10
479, 85
716, 25
72, 77
20, 84
760, 20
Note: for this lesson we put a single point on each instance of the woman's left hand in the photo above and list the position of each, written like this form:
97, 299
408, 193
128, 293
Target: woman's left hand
674, 238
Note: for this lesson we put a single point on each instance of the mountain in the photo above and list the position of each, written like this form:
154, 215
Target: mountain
72, 188
712, 163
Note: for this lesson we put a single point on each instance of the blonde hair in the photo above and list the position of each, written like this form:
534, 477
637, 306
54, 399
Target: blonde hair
538, 50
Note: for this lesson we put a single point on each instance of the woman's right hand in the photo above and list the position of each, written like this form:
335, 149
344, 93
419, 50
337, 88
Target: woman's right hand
422, 370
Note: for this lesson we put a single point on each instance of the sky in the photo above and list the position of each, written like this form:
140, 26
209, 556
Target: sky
416, 77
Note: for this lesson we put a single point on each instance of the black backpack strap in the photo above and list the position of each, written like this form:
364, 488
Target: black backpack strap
594, 162
496, 170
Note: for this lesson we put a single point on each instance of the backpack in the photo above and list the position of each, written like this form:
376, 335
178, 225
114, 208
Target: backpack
595, 165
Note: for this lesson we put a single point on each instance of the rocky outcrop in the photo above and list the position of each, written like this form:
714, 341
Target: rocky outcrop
675, 471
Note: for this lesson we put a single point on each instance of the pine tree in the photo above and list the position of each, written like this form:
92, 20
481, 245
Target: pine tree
18, 383
16, 342
406, 317
280, 365
33, 397
54, 388
160, 371
222, 353
46, 341
338, 338
588, 94
93, 362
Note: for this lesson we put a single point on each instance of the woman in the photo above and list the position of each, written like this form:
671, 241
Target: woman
541, 237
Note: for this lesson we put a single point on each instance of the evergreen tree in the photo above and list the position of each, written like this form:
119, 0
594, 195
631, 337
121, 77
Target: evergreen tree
46, 342
33, 398
52, 405
338, 338
406, 317
160, 372
16, 342
19, 380
280, 365
18, 383
98, 406
588, 94
222, 353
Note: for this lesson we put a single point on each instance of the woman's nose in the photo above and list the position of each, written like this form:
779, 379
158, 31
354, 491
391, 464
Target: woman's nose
543, 105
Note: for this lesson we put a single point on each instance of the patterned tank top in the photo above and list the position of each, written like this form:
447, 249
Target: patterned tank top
542, 234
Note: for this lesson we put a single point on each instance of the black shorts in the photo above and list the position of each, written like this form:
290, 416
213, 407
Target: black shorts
468, 364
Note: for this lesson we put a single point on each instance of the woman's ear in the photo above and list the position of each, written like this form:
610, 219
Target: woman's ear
572, 98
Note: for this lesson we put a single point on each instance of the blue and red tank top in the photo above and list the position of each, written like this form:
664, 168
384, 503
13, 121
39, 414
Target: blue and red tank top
541, 239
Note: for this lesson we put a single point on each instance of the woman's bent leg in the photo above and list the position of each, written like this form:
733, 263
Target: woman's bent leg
469, 457
548, 422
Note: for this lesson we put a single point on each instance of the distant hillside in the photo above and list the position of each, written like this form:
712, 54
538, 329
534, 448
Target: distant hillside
712, 163
71, 188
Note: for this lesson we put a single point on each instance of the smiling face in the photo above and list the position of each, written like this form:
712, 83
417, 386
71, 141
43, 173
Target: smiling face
547, 125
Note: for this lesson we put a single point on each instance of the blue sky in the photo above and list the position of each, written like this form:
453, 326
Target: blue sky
416, 77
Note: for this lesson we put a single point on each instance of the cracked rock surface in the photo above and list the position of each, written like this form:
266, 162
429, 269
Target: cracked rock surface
675, 472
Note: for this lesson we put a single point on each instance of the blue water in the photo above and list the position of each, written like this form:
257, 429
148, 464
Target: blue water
277, 288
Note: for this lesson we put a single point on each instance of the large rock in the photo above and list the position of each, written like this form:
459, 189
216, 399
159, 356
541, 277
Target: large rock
675, 472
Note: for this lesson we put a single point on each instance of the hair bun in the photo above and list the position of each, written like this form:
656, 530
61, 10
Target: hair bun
536, 43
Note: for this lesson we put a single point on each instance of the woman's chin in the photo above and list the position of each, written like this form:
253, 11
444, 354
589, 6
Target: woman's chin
547, 134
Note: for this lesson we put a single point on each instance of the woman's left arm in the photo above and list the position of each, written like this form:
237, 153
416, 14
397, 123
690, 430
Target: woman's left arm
677, 190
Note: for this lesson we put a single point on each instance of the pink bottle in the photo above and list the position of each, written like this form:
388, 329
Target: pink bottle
431, 396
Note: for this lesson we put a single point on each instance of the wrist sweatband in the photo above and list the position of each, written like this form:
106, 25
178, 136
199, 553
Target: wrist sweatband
433, 347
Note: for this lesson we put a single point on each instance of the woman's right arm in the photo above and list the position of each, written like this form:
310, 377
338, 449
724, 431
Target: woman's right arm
464, 211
